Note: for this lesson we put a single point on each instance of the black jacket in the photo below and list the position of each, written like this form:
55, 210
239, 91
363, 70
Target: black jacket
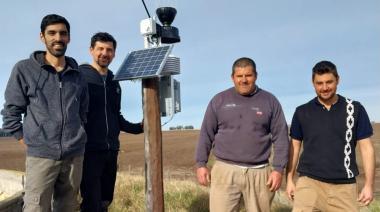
54, 108
104, 119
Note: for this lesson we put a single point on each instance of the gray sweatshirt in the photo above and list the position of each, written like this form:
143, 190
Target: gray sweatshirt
241, 130
54, 108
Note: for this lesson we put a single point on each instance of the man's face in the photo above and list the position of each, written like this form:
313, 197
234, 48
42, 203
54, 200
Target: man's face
244, 79
103, 53
56, 37
325, 86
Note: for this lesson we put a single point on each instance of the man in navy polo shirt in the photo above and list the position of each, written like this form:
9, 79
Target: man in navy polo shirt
329, 127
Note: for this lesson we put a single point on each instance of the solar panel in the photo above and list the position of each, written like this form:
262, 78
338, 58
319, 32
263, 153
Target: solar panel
143, 63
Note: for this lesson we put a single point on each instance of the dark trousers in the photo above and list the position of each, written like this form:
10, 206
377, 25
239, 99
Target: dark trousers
98, 180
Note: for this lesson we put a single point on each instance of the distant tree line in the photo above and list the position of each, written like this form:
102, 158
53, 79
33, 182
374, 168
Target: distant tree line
4, 134
180, 127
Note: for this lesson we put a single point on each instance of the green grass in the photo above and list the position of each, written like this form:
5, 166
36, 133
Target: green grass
184, 195
129, 194
179, 195
375, 205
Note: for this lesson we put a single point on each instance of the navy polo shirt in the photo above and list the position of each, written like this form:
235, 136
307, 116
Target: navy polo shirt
329, 139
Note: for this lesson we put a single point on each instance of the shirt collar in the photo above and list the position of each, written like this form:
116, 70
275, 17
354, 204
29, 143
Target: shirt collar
316, 101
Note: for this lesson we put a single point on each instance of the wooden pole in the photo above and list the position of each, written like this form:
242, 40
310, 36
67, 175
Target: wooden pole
154, 191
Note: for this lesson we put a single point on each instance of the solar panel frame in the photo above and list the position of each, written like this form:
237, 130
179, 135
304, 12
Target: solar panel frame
144, 63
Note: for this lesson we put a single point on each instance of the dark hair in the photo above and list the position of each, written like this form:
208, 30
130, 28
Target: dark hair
244, 62
324, 67
102, 37
54, 19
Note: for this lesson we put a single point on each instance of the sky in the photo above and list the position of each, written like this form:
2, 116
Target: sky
285, 39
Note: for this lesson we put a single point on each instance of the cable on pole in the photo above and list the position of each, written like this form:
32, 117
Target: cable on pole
146, 9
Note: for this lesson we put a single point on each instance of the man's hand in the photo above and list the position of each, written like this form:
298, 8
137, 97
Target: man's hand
368, 157
21, 141
294, 152
366, 195
290, 189
274, 181
203, 176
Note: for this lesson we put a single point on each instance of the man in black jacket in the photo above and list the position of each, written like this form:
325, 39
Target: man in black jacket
103, 127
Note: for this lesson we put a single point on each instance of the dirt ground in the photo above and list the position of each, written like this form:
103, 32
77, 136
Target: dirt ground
178, 154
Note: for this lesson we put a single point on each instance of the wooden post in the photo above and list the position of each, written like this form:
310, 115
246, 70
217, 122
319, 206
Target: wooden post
154, 191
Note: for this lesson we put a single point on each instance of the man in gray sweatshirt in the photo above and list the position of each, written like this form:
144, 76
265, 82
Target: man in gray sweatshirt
240, 125
51, 94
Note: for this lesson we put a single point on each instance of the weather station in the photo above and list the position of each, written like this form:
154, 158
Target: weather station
155, 66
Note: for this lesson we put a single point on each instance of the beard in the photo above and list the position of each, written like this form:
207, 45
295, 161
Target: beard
57, 52
326, 97
104, 62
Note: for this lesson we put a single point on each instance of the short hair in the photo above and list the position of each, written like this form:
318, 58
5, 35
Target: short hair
102, 37
54, 19
244, 62
324, 67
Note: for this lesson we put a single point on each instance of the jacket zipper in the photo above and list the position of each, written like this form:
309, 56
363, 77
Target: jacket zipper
105, 110
62, 114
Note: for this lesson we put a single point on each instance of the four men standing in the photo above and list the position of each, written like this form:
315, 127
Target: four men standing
61, 104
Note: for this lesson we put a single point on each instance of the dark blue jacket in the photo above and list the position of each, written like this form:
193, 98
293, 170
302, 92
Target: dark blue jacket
54, 107
104, 117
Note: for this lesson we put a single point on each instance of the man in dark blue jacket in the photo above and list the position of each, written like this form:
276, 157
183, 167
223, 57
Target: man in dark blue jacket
52, 95
103, 127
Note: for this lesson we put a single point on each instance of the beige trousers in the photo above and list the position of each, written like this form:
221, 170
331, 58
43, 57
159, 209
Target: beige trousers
314, 195
52, 185
230, 183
